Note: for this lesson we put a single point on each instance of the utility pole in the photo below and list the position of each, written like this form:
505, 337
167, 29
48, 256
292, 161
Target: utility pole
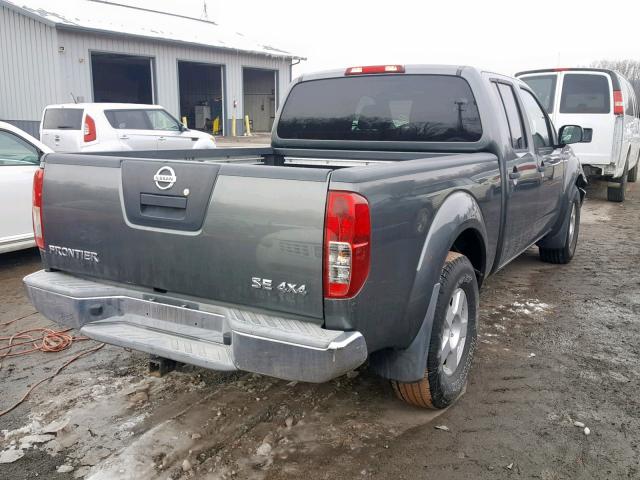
461, 104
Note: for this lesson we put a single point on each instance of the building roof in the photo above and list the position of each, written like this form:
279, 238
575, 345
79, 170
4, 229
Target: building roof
113, 18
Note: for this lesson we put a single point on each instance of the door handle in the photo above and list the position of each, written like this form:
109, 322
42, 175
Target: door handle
515, 174
161, 139
124, 137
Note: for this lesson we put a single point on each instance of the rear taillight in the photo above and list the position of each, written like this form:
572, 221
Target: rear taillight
618, 103
347, 246
374, 69
38, 180
89, 129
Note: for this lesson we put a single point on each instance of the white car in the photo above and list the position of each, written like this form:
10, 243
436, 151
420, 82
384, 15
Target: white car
105, 127
604, 104
20, 156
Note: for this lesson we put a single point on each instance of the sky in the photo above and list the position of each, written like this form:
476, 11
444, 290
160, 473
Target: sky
504, 36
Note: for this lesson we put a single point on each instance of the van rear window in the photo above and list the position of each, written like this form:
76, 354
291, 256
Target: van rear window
585, 93
62, 119
544, 86
414, 108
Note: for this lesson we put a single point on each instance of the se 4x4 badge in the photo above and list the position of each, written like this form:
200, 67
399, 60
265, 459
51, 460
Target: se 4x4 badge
283, 287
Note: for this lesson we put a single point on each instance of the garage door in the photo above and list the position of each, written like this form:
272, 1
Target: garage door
122, 78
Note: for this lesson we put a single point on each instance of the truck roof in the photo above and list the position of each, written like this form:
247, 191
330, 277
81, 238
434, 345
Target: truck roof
408, 69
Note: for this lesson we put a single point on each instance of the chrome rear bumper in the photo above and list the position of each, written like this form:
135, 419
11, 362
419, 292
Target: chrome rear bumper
195, 332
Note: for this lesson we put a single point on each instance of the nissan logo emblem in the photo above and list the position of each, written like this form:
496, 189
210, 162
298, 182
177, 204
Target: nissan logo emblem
165, 178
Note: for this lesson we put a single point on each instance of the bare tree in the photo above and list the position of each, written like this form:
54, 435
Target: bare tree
629, 68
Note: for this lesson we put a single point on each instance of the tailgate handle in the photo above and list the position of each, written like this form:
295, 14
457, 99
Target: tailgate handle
168, 201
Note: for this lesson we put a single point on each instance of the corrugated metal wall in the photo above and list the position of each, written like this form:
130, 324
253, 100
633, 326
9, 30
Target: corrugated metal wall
29, 72
75, 65
33, 73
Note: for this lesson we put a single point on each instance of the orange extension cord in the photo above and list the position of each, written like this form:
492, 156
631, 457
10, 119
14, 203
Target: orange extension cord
48, 341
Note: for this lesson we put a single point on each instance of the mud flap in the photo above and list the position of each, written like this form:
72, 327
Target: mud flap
408, 365
557, 238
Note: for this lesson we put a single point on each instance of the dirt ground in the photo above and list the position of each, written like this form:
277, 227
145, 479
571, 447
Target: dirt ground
558, 344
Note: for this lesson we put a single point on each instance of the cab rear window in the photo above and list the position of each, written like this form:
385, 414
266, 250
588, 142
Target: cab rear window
62, 119
414, 108
585, 93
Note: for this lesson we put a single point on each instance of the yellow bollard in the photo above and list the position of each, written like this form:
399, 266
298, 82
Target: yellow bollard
247, 126
233, 124
216, 125
184, 122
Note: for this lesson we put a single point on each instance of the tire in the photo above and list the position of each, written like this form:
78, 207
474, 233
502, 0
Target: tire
617, 194
633, 174
564, 254
443, 382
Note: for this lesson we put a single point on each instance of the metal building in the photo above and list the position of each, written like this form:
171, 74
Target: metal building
99, 51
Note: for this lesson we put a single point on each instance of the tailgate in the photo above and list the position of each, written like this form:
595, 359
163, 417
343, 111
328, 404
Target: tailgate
62, 140
62, 128
231, 233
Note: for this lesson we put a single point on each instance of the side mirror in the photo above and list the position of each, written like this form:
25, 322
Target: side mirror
569, 134
182, 127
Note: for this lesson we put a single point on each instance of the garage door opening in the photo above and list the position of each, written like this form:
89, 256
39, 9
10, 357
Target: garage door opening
259, 87
121, 78
201, 96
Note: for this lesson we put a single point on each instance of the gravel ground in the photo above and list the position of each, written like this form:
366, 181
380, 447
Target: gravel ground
558, 345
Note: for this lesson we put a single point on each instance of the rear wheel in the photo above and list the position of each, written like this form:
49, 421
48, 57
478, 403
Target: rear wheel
617, 194
453, 339
566, 252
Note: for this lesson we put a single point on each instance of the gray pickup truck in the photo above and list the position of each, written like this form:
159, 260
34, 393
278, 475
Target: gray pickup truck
364, 232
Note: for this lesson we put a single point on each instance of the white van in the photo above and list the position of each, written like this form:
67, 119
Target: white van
103, 127
604, 104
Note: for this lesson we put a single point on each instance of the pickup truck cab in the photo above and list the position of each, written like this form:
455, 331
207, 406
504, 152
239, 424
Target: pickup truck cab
389, 194
101, 127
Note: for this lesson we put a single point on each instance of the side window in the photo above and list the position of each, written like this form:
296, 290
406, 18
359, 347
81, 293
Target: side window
128, 119
544, 86
14, 151
514, 117
542, 137
585, 93
630, 104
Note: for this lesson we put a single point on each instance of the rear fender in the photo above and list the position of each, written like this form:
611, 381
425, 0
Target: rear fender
203, 144
459, 212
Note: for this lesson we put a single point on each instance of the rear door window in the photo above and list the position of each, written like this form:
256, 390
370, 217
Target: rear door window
62, 119
424, 108
585, 93
544, 87
149, 119
514, 117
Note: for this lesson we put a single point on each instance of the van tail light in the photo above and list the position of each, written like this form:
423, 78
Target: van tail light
618, 103
347, 246
374, 69
38, 180
89, 129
